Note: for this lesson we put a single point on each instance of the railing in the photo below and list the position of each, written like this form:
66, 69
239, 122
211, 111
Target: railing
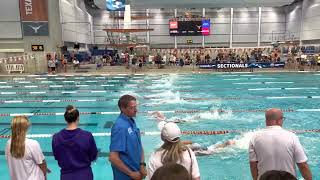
30, 63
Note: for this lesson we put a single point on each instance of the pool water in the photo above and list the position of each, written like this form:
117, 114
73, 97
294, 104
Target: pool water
231, 101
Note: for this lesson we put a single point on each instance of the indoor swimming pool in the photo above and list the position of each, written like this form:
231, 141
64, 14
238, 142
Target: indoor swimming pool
232, 102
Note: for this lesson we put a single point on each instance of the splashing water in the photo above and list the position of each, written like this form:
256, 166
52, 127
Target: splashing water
215, 115
165, 83
242, 141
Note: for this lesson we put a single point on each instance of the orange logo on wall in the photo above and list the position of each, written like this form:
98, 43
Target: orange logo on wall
34, 10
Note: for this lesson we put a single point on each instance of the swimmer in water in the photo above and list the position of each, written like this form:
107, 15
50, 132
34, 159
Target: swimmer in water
195, 147
160, 117
204, 151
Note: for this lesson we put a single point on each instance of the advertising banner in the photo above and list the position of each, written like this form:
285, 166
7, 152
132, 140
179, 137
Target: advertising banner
242, 65
34, 17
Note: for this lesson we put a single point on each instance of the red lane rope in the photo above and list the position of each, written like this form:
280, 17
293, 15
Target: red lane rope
4, 136
227, 110
60, 100
211, 132
145, 112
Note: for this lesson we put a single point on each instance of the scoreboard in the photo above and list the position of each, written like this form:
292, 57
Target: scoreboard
189, 27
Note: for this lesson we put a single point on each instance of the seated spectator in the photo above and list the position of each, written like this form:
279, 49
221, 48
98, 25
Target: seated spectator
181, 62
99, 63
140, 63
74, 149
171, 171
24, 156
277, 175
173, 151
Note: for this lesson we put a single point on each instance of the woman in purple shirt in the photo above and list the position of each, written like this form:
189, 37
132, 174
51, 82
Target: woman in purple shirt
74, 149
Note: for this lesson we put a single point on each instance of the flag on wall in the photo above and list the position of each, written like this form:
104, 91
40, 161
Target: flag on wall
34, 17
35, 28
34, 10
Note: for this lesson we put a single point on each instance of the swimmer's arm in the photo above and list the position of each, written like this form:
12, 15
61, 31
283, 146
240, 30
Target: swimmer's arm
159, 119
159, 116
225, 144
254, 169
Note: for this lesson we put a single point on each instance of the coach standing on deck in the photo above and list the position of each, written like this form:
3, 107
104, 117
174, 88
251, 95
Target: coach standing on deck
274, 148
126, 152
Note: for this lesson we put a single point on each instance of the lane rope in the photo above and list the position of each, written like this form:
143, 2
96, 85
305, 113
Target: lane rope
141, 91
156, 133
67, 81
53, 101
152, 98
190, 111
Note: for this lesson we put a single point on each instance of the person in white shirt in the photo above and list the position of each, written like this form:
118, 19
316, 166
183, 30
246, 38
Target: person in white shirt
24, 156
275, 148
173, 151
76, 63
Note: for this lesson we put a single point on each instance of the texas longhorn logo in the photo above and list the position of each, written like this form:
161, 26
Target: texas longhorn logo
35, 28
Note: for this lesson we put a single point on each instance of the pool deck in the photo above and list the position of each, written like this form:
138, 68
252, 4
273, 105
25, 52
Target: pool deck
115, 70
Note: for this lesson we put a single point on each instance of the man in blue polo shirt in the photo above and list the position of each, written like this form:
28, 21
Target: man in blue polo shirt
126, 152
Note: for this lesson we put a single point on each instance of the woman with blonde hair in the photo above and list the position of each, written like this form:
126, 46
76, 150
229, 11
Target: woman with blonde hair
173, 151
25, 158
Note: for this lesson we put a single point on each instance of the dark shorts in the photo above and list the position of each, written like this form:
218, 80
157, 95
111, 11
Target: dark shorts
53, 68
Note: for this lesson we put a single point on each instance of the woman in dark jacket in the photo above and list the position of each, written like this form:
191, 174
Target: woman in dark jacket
74, 149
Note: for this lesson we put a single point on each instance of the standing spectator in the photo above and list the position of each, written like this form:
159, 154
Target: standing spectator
173, 151
275, 148
52, 65
74, 149
126, 152
24, 156
76, 63
64, 63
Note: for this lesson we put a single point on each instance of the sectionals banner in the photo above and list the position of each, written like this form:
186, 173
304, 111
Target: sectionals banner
34, 10
228, 66
224, 66
242, 65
